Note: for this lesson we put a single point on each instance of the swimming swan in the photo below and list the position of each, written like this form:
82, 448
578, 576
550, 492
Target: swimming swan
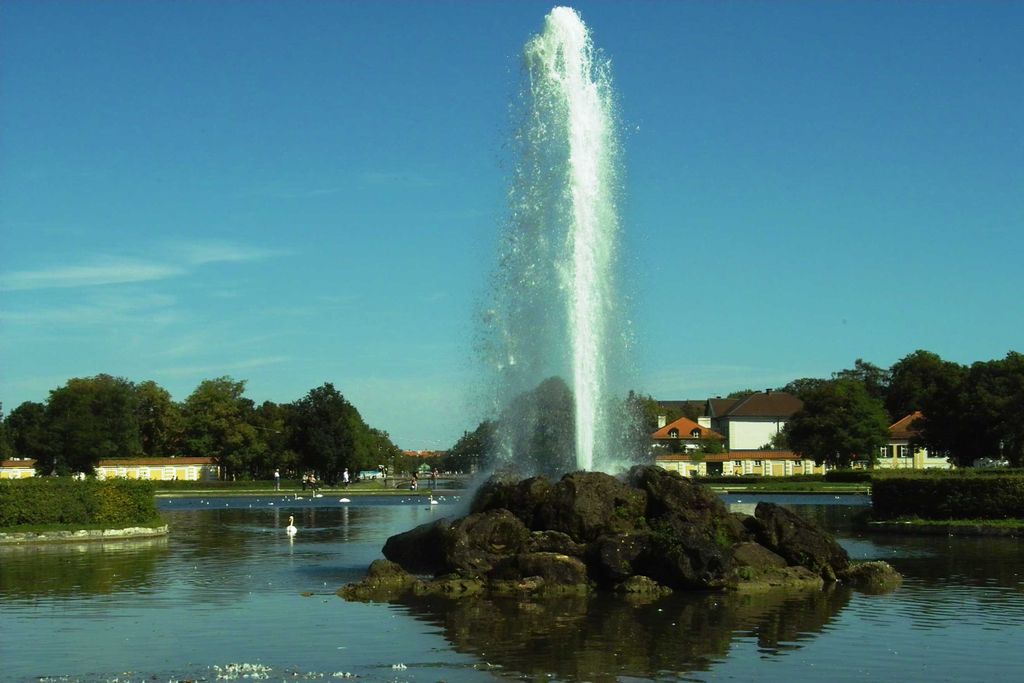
291, 526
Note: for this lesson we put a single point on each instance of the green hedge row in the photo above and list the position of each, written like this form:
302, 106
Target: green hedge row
849, 476
949, 497
115, 503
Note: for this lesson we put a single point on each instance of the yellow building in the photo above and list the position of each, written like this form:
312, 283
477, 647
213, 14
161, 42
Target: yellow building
740, 463
17, 469
154, 469
902, 453
159, 469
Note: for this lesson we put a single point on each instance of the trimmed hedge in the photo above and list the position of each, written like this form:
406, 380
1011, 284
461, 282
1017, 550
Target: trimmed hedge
115, 503
849, 476
948, 497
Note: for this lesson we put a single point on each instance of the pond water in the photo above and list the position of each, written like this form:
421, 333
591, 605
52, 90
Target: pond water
228, 596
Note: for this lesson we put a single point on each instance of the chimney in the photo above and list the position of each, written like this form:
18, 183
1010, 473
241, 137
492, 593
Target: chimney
662, 419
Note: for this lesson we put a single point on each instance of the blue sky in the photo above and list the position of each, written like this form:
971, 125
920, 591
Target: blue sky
298, 192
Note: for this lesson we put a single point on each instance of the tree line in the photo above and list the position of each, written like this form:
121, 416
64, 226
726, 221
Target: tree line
101, 417
968, 412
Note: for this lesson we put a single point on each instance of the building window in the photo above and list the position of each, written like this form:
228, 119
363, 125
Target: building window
884, 452
695, 434
737, 463
799, 463
757, 463
673, 433
903, 451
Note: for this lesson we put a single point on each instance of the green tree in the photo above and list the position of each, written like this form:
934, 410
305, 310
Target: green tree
271, 421
161, 427
840, 420
474, 450
993, 409
218, 424
917, 378
328, 434
6, 443
742, 393
875, 379
804, 386
383, 451
26, 431
88, 419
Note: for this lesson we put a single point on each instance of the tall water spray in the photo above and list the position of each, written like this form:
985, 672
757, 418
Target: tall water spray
555, 309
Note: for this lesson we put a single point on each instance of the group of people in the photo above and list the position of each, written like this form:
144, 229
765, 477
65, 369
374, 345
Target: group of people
310, 481
414, 484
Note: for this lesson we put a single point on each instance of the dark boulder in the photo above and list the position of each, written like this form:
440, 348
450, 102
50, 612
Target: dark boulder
474, 544
554, 542
873, 578
672, 494
650, 532
421, 550
586, 505
687, 559
611, 558
798, 541
383, 580
494, 493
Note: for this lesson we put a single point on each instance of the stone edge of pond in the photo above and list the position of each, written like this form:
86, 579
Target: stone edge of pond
17, 537
945, 529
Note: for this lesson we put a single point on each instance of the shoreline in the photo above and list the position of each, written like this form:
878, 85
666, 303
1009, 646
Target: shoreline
77, 536
946, 529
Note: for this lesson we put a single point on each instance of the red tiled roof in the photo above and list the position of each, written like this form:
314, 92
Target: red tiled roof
734, 455
154, 462
766, 404
685, 426
17, 463
904, 429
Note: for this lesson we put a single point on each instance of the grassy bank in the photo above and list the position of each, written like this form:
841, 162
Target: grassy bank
290, 489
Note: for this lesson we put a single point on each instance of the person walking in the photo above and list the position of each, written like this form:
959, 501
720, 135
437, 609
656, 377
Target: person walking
344, 477
277, 479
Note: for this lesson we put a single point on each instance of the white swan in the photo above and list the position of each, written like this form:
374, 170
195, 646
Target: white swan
291, 526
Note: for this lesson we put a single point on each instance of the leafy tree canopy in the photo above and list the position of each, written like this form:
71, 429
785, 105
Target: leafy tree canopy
840, 420
88, 419
218, 424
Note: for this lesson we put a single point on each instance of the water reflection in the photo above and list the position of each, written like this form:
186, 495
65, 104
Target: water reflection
230, 579
79, 569
606, 637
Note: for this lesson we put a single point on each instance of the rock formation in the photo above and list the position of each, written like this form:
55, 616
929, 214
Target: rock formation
651, 532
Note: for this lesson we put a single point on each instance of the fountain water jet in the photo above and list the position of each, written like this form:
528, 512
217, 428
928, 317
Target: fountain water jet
555, 303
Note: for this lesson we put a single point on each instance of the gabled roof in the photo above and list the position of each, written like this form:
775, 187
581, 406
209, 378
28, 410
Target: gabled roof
904, 429
685, 426
766, 404
717, 407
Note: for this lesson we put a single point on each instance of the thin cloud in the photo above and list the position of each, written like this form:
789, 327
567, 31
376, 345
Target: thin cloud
87, 275
203, 253
182, 260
